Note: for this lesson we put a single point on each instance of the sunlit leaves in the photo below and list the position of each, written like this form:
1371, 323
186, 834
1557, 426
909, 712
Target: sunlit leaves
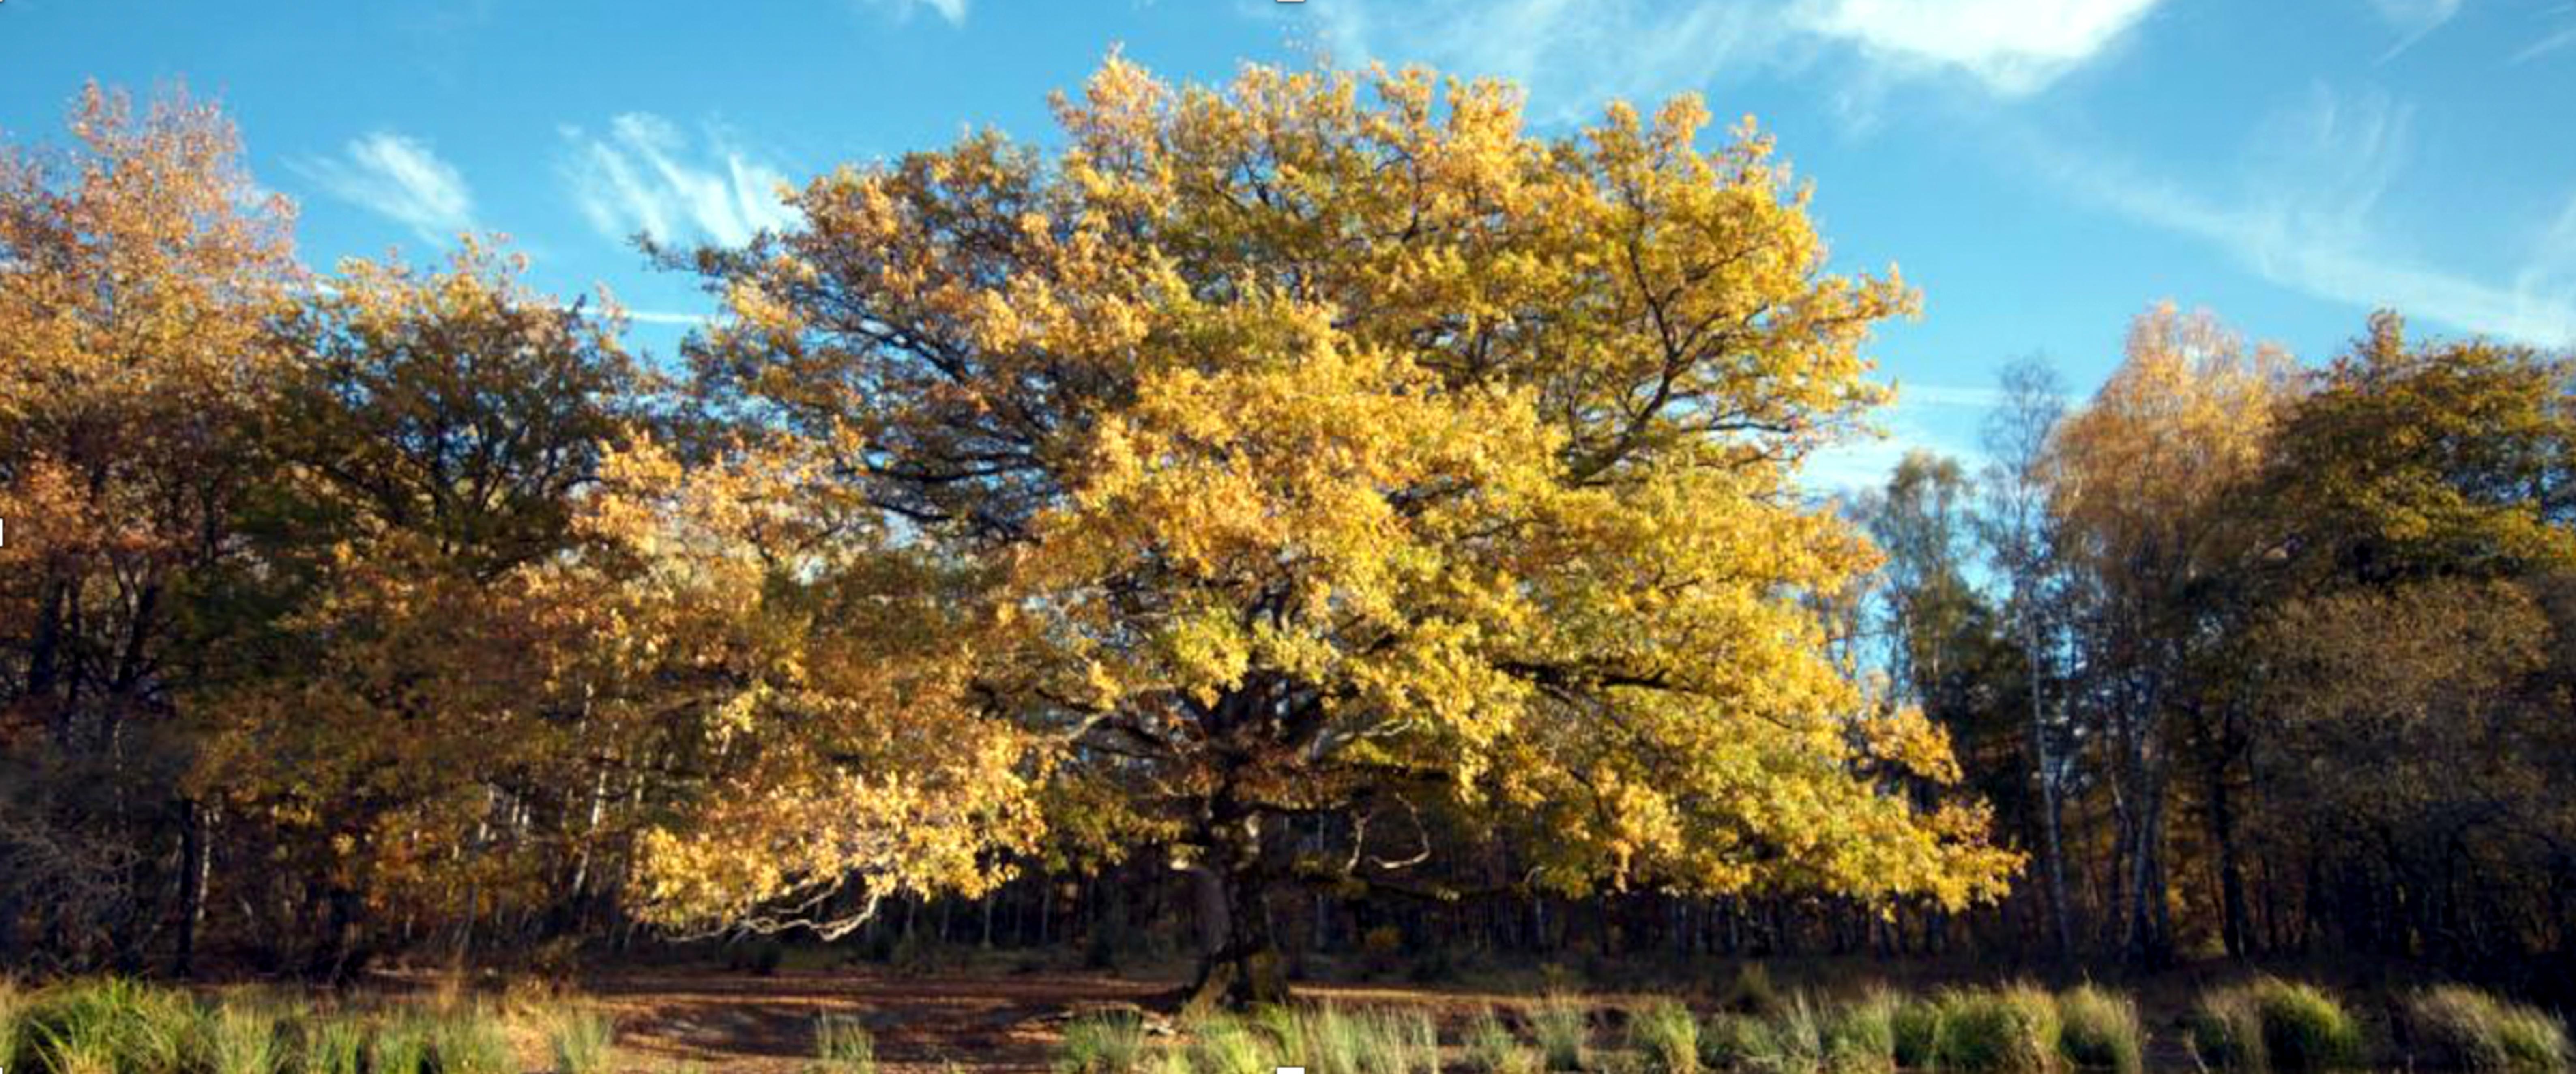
1330, 442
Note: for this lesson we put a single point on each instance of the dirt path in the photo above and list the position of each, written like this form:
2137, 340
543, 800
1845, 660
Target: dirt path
745, 1023
728, 1022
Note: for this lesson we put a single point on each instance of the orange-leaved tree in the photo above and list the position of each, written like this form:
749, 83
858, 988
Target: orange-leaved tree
140, 274
1329, 444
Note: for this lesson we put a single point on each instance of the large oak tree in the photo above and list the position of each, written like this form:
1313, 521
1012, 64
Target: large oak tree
1329, 444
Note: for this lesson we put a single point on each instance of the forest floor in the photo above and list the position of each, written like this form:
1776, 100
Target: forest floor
976, 1020
727, 1022
997, 1020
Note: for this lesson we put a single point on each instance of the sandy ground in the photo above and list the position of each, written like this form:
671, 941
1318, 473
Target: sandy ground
993, 1020
979, 1022
739, 1022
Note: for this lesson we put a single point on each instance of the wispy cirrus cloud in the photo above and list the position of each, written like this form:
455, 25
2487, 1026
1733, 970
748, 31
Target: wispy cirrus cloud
2304, 212
1586, 50
2413, 20
2552, 43
952, 10
1562, 51
642, 175
400, 178
1915, 422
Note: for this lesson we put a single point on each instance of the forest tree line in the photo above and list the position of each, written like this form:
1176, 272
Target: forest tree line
1314, 510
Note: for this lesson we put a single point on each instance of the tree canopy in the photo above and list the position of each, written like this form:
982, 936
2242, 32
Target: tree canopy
1328, 443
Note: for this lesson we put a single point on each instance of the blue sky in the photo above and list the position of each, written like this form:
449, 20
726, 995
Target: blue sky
2041, 169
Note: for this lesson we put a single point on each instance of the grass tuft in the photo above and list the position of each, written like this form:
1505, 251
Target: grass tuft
1666, 1037
2274, 1025
1798, 1032
111, 1025
241, 1038
843, 1046
2462, 1028
467, 1038
1914, 1032
2098, 1029
581, 1041
1562, 1025
2226, 1032
13, 1015
2304, 1027
1405, 1042
2008, 1030
1731, 1041
333, 1044
1103, 1044
1492, 1049
400, 1045
1225, 1044
1861, 1038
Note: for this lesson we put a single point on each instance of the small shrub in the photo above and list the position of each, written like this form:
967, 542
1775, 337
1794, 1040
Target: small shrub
1103, 1044
2098, 1030
843, 1046
1861, 1038
1562, 1027
2009, 1030
1914, 1033
241, 1038
582, 1042
2463, 1028
1666, 1036
1492, 1049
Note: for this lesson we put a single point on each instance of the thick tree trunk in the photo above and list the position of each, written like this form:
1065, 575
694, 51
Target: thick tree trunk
1239, 963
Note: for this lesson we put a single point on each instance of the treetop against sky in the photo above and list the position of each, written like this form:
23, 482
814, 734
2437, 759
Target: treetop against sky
2039, 168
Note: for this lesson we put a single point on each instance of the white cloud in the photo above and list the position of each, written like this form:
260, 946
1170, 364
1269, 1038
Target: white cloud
1948, 395
1863, 463
2015, 47
401, 179
644, 176
1849, 469
684, 320
952, 10
1569, 54
2546, 45
1575, 53
2303, 214
2412, 19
